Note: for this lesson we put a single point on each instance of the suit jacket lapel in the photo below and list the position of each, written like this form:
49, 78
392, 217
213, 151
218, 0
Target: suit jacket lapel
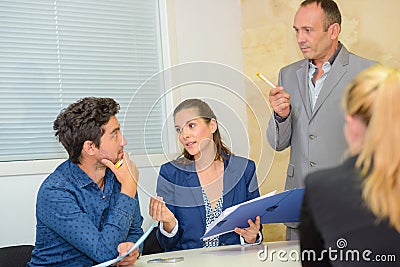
303, 86
193, 182
233, 173
334, 76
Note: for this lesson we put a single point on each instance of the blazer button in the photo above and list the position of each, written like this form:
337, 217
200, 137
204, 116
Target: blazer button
312, 164
312, 137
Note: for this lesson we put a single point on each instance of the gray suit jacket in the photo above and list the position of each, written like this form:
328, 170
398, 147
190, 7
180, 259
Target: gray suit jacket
315, 138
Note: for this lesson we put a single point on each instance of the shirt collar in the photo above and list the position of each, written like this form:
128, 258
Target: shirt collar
331, 60
334, 56
82, 179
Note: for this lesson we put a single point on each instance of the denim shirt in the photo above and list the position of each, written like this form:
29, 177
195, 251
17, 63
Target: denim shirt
80, 225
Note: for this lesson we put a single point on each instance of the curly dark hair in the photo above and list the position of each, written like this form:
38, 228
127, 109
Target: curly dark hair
82, 121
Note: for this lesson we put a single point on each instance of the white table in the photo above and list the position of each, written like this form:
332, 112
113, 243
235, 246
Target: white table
285, 253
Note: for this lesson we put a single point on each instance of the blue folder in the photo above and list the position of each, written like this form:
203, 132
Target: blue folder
279, 208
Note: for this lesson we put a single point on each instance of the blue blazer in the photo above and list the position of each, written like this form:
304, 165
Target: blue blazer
180, 188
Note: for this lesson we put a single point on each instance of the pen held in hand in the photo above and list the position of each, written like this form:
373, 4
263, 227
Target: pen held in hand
262, 77
119, 163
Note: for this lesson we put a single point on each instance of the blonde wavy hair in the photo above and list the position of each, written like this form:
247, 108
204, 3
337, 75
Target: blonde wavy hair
375, 95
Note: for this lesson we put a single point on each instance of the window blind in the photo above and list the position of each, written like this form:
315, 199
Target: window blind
53, 53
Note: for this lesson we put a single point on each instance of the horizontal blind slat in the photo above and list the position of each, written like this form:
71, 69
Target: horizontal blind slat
53, 53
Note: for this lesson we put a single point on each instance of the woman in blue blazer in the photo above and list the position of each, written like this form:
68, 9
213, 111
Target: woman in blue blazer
205, 180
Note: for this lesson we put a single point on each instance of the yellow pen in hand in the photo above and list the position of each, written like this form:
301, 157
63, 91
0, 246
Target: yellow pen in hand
265, 80
119, 163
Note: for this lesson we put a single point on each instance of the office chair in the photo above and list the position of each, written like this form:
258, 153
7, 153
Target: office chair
15, 256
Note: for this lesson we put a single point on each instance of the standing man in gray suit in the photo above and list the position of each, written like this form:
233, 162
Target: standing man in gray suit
308, 116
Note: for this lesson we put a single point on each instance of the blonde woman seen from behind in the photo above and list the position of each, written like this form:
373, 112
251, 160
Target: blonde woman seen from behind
353, 210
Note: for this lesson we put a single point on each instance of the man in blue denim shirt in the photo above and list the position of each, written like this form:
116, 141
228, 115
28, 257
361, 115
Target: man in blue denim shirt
87, 210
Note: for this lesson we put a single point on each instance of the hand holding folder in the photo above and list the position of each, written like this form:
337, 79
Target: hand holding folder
272, 208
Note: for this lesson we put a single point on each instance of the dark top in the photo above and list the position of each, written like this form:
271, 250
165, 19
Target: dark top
336, 223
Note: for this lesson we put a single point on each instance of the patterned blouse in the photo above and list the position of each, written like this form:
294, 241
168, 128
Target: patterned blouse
211, 216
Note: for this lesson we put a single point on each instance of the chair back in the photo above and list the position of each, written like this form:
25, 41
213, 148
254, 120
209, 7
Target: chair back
15, 256
151, 244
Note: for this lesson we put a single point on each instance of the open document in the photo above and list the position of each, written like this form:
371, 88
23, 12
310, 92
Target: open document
136, 245
272, 208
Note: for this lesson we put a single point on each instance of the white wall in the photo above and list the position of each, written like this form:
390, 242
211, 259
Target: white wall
206, 54
17, 205
205, 30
